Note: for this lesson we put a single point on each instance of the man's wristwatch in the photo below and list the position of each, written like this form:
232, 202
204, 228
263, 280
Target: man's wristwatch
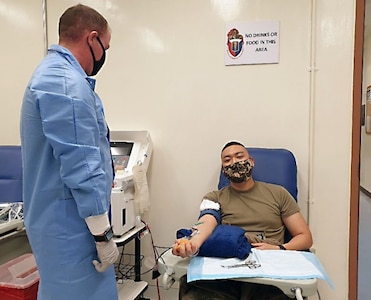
106, 237
282, 247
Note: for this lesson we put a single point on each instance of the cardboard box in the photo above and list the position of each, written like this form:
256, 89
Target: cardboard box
19, 278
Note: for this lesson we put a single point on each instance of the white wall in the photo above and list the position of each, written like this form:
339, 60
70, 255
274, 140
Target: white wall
21, 49
332, 143
165, 73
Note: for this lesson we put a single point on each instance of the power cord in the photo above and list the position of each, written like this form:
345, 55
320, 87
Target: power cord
167, 280
297, 291
155, 273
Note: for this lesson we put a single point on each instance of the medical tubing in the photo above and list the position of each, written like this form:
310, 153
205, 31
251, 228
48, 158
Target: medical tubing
298, 294
156, 255
167, 280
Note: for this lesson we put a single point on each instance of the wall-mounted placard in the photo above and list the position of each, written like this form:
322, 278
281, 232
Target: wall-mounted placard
252, 43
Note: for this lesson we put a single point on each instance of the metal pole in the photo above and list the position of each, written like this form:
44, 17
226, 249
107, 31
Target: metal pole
45, 26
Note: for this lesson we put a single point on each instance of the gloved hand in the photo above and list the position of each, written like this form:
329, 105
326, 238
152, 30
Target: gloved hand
107, 254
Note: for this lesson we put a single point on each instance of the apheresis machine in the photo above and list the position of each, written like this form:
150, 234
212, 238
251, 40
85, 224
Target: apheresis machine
131, 154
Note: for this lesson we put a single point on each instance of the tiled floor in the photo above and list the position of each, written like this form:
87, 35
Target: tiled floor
153, 294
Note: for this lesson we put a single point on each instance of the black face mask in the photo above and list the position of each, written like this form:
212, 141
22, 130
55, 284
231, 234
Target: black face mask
239, 171
97, 63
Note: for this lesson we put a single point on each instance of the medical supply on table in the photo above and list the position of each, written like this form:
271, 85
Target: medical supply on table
272, 264
131, 153
251, 264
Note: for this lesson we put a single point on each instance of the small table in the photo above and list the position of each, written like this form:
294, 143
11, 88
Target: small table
132, 289
174, 267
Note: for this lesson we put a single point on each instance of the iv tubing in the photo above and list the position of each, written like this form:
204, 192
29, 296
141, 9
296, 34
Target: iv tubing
298, 294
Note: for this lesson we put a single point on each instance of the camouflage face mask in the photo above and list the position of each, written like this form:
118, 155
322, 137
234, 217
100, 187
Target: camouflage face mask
239, 171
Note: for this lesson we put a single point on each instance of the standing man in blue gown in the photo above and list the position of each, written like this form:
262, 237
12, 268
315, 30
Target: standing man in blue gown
67, 167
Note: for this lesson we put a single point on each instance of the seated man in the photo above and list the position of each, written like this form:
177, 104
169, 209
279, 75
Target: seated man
264, 210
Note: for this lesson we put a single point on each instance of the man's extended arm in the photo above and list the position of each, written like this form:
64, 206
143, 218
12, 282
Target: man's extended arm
205, 226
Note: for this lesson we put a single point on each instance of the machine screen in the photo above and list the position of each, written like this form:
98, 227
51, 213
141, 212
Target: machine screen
120, 154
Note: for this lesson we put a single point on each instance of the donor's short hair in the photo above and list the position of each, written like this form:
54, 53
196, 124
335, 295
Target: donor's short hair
232, 143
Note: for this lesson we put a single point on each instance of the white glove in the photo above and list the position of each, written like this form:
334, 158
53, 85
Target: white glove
107, 251
107, 254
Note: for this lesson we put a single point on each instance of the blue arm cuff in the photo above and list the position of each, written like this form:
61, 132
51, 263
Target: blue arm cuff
213, 212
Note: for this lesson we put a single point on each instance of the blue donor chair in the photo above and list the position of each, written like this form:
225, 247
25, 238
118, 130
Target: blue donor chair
10, 174
11, 206
276, 166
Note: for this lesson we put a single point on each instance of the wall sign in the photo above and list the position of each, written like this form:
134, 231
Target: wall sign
252, 43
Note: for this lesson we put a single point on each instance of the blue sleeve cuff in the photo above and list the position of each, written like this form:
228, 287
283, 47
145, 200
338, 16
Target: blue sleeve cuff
213, 212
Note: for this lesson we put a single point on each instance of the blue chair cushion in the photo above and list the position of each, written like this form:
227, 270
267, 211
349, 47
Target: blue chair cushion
277, 166
10, 174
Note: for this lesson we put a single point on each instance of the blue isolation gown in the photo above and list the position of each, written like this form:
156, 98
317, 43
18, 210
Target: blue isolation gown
67, 176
